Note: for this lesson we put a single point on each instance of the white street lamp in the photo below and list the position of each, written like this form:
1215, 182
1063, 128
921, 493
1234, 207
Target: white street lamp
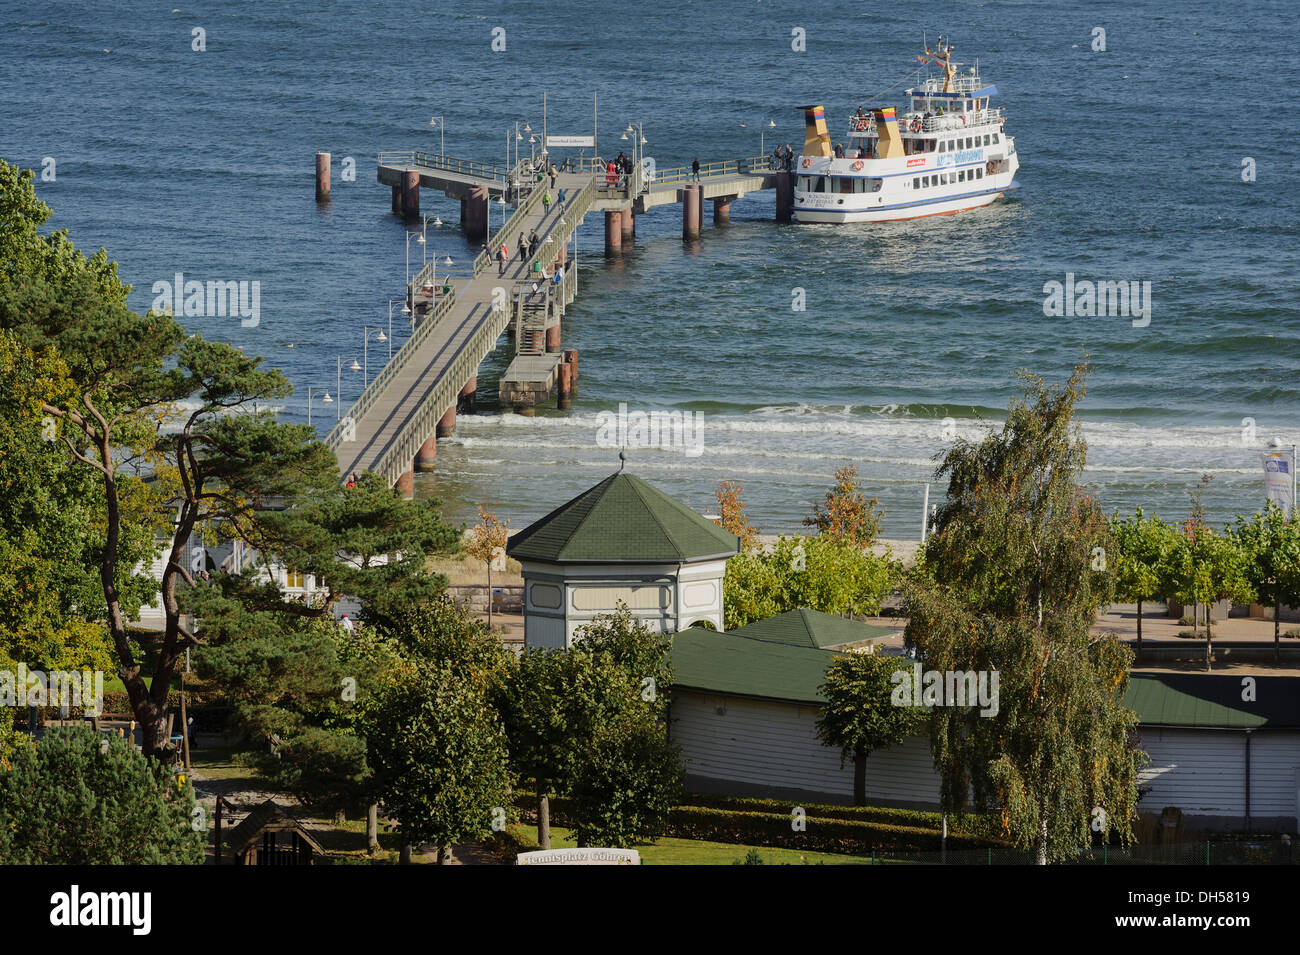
365, 347
338, 380
311, 390
437, 123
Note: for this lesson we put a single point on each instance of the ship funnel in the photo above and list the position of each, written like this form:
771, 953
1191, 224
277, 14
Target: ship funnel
890, 144
817, 141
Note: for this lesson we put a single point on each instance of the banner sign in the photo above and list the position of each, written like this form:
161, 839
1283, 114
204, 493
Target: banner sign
1278, 479
570, 141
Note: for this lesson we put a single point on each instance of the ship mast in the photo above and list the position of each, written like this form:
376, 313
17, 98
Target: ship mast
942, 56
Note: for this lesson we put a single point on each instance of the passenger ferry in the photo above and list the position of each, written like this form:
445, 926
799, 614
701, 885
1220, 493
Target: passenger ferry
948, 153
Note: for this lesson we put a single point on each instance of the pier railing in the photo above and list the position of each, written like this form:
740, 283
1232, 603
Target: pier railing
710, 170
347, 424
464, 167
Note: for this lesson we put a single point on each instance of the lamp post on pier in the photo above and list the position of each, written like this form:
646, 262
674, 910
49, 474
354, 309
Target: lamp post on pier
409, 237
762, 135
311, 390
338, 380
365, 348
437, 123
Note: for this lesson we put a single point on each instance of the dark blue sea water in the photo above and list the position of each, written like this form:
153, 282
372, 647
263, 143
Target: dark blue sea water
1131, 160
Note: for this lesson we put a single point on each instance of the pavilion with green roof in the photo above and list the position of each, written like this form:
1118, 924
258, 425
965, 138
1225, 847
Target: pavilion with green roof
626, 541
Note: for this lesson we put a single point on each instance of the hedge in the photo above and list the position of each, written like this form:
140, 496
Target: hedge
975, 824
507, 843
822, 833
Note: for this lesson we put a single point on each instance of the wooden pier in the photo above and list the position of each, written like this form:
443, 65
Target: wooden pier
460, 313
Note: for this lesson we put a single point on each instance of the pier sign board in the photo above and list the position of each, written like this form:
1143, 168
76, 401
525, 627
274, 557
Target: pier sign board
570, 141
591, 856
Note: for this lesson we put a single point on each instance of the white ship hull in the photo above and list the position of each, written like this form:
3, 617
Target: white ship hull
899, 193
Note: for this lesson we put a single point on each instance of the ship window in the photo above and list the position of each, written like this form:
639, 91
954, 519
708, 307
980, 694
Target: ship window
943, 145
995, 138
986, 139
979, 173
846, 184
969, 142
916, 183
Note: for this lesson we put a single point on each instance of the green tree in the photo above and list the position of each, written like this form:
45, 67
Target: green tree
859, 715
846, 515
1207, 567
49, 527
1270, 544
439, 756
1143, 548
816, 573
641, 653
82, 799
1009, 587
629, 776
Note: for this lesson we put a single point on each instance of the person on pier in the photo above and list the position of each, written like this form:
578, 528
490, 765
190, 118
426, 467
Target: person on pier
502, 258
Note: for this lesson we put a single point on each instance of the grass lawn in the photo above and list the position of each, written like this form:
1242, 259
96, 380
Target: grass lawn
692, 852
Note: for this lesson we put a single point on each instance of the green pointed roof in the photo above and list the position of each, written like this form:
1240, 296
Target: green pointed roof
812, 628
622, 520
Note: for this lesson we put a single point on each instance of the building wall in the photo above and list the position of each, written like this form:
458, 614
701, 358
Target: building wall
764, 748
665, 597
1203, 773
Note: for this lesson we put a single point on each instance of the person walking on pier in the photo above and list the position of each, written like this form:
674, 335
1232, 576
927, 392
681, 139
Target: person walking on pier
502, 258
555, 174
532, 243
524, 249
695, 169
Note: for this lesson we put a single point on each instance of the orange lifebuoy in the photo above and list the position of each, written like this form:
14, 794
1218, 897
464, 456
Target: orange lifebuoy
857, 165
916, 126
806, 163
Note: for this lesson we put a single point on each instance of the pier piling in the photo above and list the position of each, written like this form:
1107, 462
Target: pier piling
397, 200
322, 177
447, 423
691, 197
629, 223
474, 214
613, 232
571, 359
406, 484
784, 196
469, 395
411, 195
722, 210
564, 386
553, 337
426, 458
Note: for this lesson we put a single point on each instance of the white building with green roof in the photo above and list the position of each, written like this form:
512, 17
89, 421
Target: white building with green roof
624, 541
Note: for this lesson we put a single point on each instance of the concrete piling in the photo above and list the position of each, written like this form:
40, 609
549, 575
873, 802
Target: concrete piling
411, 195
406, 484
426, 458
571, 359
322, 177
722, 210
447, 423
613, 232
397, 200
691, 197
553, 337
474, 214
628, 223
784, 196
564, 386
469, 395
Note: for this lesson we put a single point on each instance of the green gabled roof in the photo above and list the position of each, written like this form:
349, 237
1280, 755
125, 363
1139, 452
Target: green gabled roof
714, 662
1213, 700
811, 628
622, 520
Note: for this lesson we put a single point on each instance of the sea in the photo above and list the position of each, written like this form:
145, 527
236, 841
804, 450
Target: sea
1157, 145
